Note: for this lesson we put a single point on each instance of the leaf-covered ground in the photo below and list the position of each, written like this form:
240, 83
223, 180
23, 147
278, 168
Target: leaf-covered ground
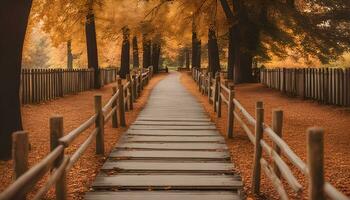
75, 109
298, 116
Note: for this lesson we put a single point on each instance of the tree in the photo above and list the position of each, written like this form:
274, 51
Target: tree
147, 51
194, 49
156, 56
69, 55
11, 45
91, 44
135, 52
125, 55
199, 53
213, 51
260, 29
181, 57
187, 58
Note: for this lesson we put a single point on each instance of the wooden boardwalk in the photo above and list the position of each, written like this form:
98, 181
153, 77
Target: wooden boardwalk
171, 152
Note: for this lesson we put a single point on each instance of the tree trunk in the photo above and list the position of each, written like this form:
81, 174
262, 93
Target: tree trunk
244, 71
248, 41
213, 52
91, 44
199, 54
12, 37
182, 57
194, 50
231, 53
146, 43
187, 59
135, 53
69, 55
125, 55
155, 56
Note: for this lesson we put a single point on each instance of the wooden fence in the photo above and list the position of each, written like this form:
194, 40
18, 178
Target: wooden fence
270, 152
39, 85
57, 162
325, 85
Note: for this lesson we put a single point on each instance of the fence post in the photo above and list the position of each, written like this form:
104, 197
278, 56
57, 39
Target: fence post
277, 124
200, 83
115, 114
20, 150
259, 129
134, 87
128, 78
209, 86
230, 110
121, 103
99, 125
219, 100
315, 163
141, 81
216, 84
56, 132
60, 79
149, 74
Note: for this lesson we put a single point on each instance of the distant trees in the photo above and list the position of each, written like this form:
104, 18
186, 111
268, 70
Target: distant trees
13, 20
37, 54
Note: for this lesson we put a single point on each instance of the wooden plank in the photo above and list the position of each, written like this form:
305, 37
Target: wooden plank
139, 119
175, 138
173, 123
161, 195
146, 127
173, 146
169, 155
171, 166
166, 182
174, 132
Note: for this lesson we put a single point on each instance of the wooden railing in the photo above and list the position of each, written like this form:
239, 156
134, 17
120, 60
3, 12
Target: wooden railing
270, 157
325, 85
56, 161
39, 85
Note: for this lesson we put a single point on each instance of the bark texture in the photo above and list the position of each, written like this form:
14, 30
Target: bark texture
156, 56
91, 45
125, 55
135, 53
13, 20
213, 51
147, 51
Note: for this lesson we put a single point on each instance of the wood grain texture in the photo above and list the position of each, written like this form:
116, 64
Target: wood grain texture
172, 148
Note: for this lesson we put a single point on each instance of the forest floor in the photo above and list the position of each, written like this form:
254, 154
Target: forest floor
75, 109
298, 116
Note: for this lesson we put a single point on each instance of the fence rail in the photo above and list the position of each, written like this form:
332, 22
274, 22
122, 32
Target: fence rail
39, 85
325, 85
56, 161
270, 156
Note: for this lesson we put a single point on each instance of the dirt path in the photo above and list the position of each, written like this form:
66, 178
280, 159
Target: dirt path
75, 109
298, 116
